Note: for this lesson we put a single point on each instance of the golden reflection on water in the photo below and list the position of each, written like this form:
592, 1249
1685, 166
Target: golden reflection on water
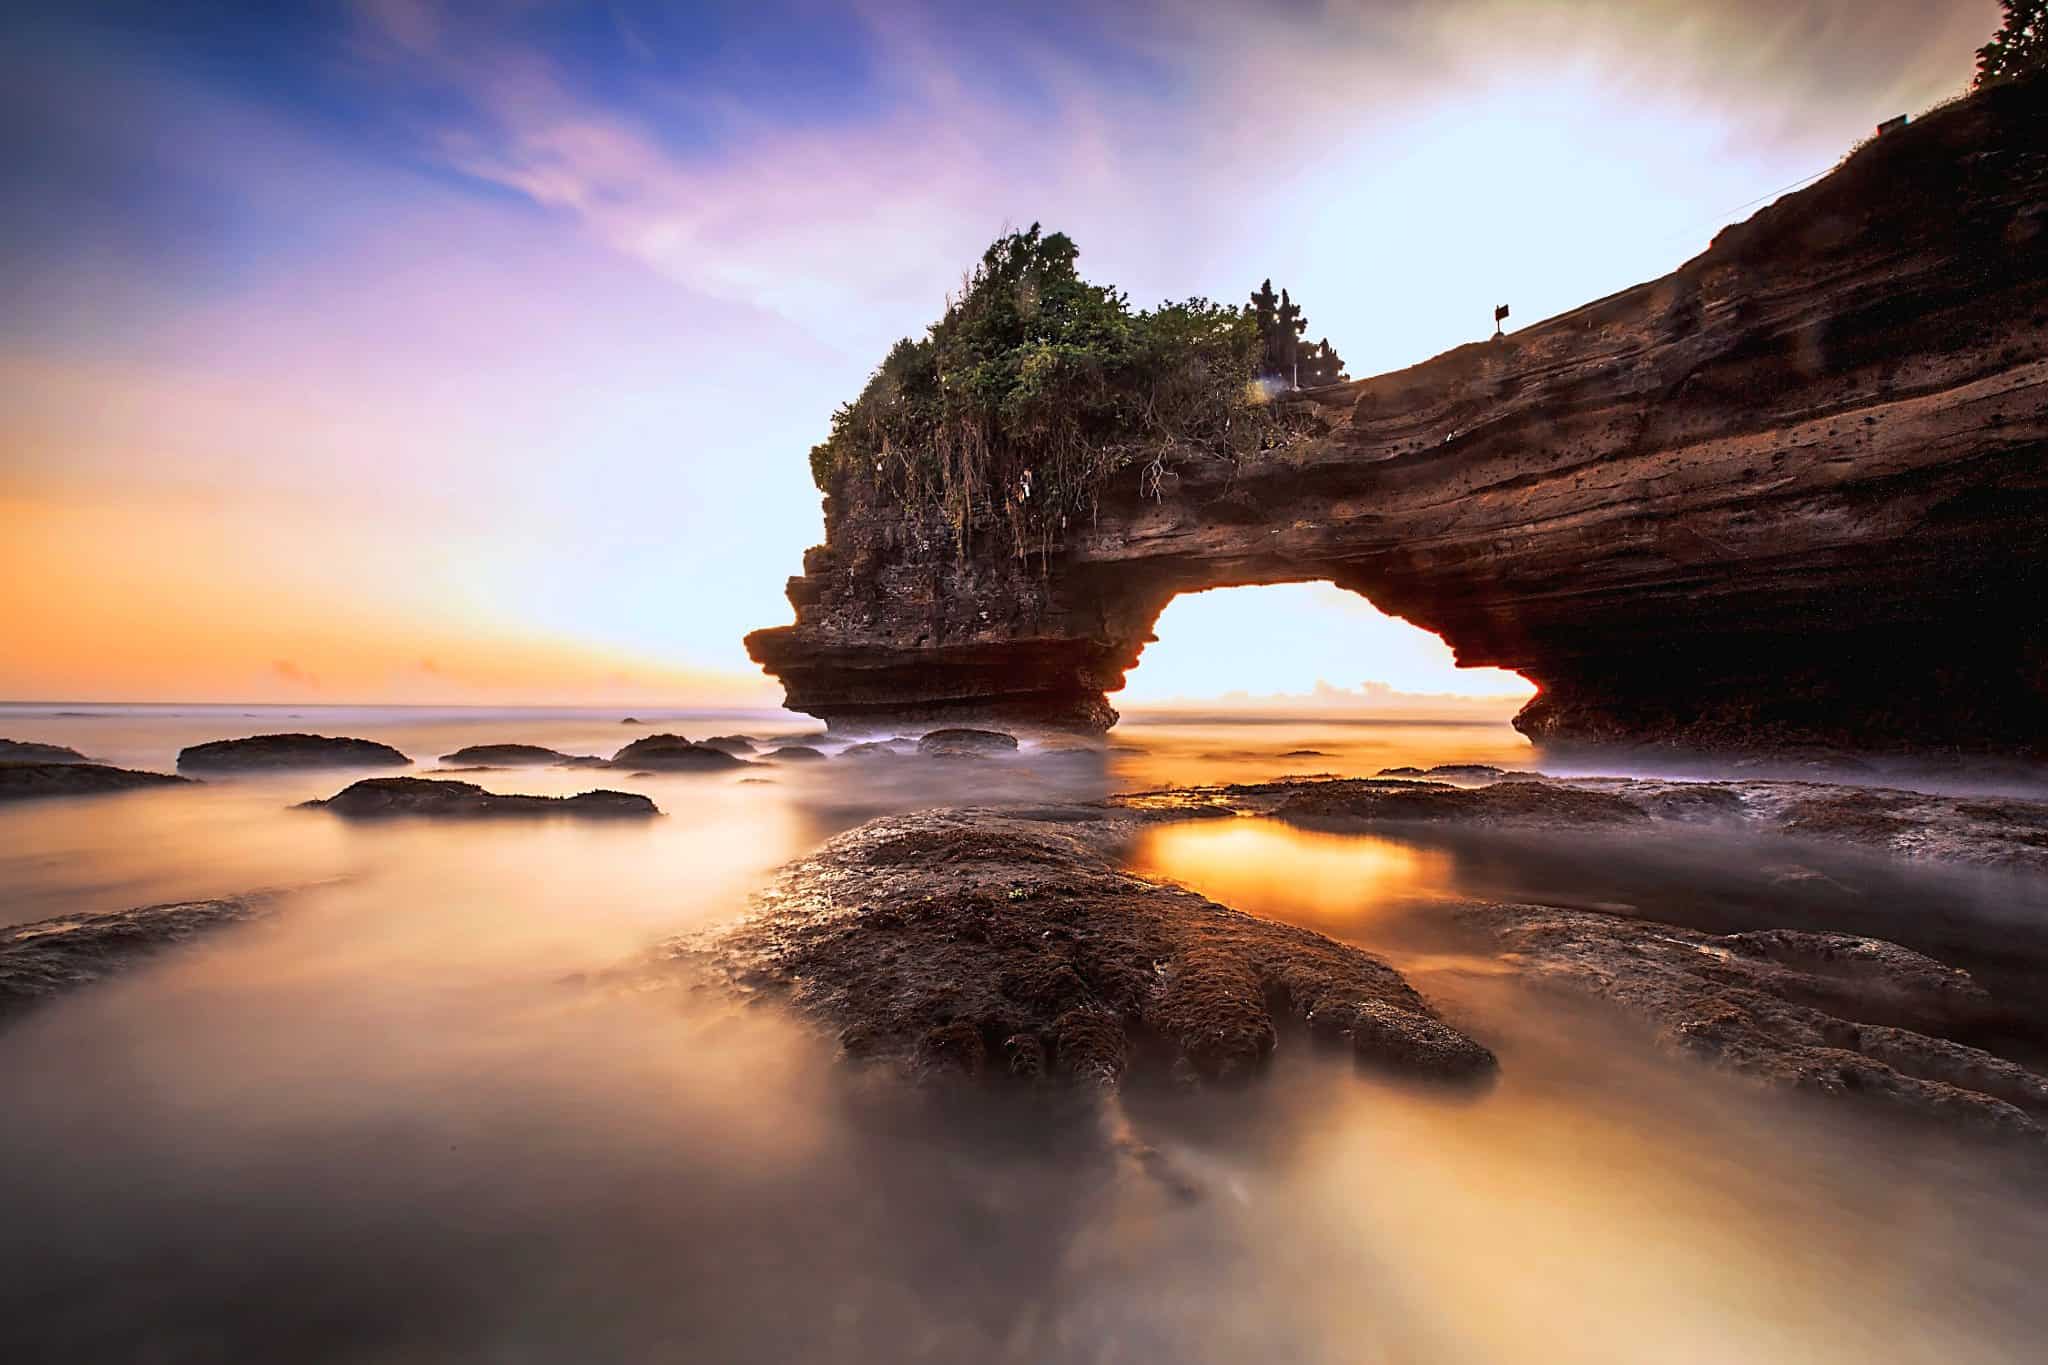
1332, 882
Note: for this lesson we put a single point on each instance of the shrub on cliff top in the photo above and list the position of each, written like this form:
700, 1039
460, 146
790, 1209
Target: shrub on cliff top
1036, 386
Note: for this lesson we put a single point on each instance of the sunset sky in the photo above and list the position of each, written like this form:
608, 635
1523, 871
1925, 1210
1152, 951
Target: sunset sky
408, 351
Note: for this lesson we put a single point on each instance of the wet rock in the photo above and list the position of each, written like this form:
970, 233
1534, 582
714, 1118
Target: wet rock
387, 796
27, 751
1502, 804
982, 941
289, 751
673, 753
27, 781
1840, 1015
1304, 753
1463, 772
515, 756
632, 720
880, 748
47, 958
962, 742
794, 753
739, 745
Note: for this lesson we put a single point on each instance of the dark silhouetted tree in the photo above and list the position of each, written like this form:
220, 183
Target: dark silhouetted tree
2019, 48
1320, 364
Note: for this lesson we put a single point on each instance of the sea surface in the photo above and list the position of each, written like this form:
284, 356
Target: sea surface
436, 1107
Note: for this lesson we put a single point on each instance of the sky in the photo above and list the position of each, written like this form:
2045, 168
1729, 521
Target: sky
424, 351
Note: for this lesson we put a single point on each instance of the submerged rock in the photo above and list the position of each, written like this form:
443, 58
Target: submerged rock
738, 745
1466, 772
516, 755
673, 753
1834, 1014
961, 741
979, 942
28, 751
26, 781
49, 957
794, 753
381, 796
289, 751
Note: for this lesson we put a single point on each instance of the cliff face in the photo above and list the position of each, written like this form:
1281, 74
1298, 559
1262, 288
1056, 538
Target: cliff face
1793, 492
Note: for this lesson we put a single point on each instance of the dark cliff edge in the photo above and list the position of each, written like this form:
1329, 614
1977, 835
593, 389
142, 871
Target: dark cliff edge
1791, 493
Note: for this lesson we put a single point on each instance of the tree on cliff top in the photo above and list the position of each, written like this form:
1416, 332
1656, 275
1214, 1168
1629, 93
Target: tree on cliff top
1037, 385
2020, 47
1282, 355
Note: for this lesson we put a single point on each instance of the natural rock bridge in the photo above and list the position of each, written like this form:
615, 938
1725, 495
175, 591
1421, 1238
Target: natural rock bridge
1793, 492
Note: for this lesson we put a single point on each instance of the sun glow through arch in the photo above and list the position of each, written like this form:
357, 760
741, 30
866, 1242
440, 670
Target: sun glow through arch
1311, 646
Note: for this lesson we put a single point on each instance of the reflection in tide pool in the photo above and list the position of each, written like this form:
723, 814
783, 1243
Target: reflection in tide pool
417, 1113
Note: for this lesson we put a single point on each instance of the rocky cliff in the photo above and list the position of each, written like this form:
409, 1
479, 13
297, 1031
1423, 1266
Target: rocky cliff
1793, 492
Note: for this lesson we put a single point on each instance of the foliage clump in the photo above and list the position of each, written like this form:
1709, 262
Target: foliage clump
2018, 48
1037, 386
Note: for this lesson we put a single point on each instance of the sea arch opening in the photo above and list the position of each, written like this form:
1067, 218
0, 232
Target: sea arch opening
1308, 647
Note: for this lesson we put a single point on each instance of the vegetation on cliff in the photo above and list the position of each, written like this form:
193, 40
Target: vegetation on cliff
1038, 385
2020, 47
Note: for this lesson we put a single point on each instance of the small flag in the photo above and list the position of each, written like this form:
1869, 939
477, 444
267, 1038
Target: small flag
1500, 314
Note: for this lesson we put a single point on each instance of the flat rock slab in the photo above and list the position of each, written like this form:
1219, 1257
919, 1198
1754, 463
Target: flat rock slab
674, 753
28, 751
375, 797
1984, 831
959, 741
1841, 1015
27, 781
1012, 942
52, 956
516, 756
289, 751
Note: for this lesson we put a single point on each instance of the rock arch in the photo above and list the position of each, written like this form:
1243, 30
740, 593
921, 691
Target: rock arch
1793, 492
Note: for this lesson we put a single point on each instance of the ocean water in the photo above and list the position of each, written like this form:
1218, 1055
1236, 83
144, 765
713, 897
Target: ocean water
431, 1108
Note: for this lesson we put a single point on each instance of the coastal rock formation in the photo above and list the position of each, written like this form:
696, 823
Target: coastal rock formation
517, 756
794, 753
2002, 832
1012, 942
49, 957
966, 743
27, 751
739, 746
382, 796
289, 751
1835, 1014
673, 753
25, 781
1792, 492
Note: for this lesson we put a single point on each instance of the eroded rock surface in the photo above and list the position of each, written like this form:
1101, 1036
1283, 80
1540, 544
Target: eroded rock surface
1012, 942
26, 781
1788, 494
289, 751
52, 956
375, 797
1836, 1014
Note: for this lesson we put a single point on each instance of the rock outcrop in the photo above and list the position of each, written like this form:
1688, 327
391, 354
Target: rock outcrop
1792, 493
1840, 1015
27, 781
289, 751
376, 797
674, 753
518, 756
1011, 942
28, 751
52, 956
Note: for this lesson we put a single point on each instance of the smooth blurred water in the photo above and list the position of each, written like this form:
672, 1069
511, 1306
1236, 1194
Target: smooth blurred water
425, 1110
